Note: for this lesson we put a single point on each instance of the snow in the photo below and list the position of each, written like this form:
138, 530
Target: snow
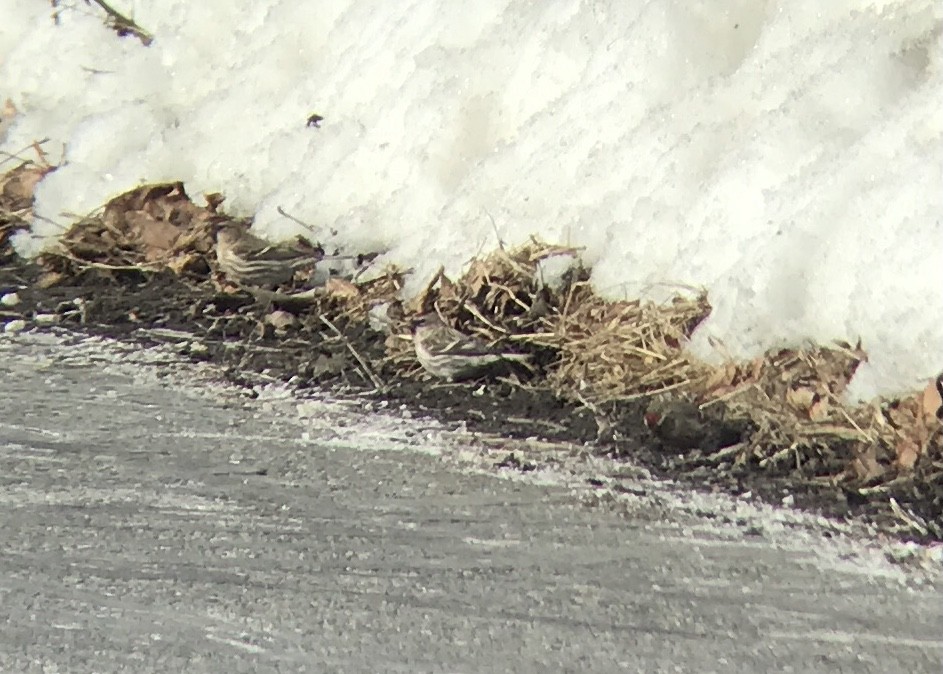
785, 155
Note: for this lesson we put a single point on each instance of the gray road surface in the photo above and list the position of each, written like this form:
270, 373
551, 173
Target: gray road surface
137, 536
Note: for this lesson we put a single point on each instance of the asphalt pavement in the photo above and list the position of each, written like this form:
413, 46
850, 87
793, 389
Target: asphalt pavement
152, 524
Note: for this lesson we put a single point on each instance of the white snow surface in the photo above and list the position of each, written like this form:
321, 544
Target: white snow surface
786, 155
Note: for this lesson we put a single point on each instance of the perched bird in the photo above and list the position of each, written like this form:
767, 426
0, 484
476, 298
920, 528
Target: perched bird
250, 261
449, 354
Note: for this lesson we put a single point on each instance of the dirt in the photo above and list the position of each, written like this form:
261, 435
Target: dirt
230, 330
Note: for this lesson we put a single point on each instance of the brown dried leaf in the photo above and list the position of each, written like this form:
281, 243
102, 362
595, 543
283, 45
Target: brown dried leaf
800, 399
18, 186
721, 380
930, 402
907, 453
477, 276
905, 414
819, 409
757, 370
182, 262
280, 320
865, 466
421, 302
49, 279
174, 206
448, 290
213, 201
158, 200
341, 289
156, 236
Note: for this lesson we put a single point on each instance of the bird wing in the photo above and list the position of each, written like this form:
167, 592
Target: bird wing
458, 344
447, 341
281, 253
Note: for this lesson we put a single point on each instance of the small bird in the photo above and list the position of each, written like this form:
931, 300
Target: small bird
248, 260
449, 354
678, 424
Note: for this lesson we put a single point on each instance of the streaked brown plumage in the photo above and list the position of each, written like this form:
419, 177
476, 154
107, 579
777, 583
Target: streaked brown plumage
250, 261
449, 354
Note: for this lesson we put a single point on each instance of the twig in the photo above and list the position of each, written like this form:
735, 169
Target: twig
534, 337
123, 23
566, 306
844, 412
654, 392
729, 394
377, 382
510, 295
604, 430
725, 452
777, 456
16, 155
300, 299
473, 310
909, 518
286, 214
885, 486
85, 264
167, 333
494, 226
43, 159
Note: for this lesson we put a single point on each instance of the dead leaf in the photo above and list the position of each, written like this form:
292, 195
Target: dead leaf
49, 279
819, 409
341, 289
757, 370
907, 454
476, 277
280, 320
930, 401
422, 303
448, 291
800, 399
19, 185
156, 236
865, 466
213, 201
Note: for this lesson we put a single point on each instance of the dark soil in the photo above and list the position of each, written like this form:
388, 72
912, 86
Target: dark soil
228, 329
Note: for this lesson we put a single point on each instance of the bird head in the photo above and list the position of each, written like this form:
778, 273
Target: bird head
228, 230
427, 320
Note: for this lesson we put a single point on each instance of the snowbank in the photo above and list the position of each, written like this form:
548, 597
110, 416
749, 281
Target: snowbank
787, 155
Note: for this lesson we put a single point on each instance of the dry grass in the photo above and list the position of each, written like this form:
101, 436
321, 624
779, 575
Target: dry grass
589, 348
613, 350
16, 201
624, 350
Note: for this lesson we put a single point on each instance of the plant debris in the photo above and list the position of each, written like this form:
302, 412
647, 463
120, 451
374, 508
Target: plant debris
118, 22
612, 373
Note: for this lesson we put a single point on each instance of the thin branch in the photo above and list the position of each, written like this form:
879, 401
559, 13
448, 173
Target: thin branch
298, 221
87, 264
377, 382
123, 24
